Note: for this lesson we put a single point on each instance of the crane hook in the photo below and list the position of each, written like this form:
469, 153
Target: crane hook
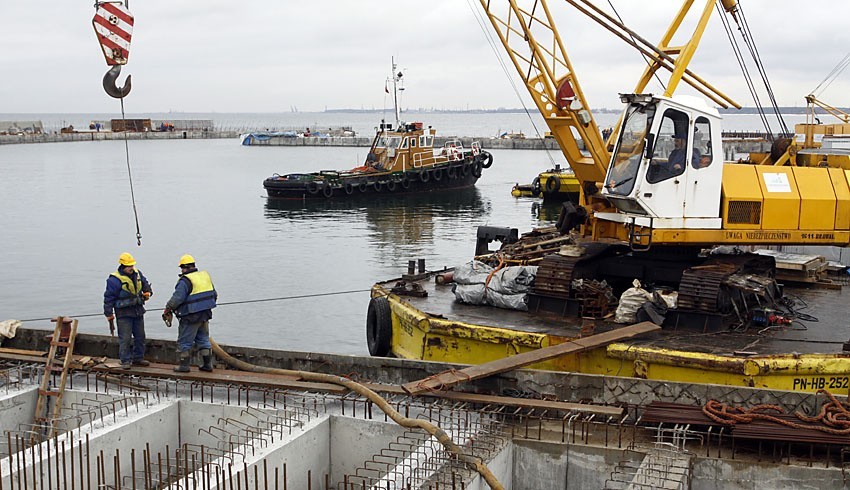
110, 86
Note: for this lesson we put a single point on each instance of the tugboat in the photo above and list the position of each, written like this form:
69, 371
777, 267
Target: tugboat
402, 159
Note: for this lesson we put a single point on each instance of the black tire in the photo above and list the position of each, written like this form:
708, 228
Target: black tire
466, 169
535, 186
348, 188
553, 184
312, 187
451, 172
405, 182
486, 158
379, 327
438, 174
476, 169
424, 175
328, 191
377, 186
391, 186
363, 186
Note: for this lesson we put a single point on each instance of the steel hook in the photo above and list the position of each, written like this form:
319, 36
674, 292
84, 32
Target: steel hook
109, 83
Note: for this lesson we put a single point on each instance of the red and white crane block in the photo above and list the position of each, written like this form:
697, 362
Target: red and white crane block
113, 25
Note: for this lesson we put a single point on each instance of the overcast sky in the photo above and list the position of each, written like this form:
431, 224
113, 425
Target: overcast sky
271, 56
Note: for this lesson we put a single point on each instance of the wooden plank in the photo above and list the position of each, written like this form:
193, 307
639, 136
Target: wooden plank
605, 410
23, 352
451, 378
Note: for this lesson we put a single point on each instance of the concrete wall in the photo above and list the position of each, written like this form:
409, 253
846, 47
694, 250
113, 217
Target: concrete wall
726, 474
156, 426
18, 408
352, 441
554, 466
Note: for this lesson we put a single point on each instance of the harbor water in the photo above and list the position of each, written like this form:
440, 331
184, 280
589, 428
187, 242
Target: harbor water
67, 214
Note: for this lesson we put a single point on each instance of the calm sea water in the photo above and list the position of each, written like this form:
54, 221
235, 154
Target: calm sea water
67, 215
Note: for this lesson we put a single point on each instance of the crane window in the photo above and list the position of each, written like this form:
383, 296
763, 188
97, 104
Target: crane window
625, 161
702, 144
672, 146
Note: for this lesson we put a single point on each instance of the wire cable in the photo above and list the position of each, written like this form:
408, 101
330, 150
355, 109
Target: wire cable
489, 37
225, 303
130, 175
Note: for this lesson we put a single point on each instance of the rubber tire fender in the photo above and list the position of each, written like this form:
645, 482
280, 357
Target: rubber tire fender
405, 182
377, 185
438, 174
451, 172
348, 187
391, 186
327, 190
476, 169
424, 175
363, 186
487, 159
313, 187
379, 327
553, 184
535, 186
466, 169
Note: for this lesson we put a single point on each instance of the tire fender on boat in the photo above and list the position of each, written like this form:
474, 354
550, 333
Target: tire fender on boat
379, 327
348, 187
451, 172
487, 159
438, 174
535, 186
476, 169
391, 186
327, 190
553, 184
466, 168
377, 185
424, 175
363, 185
405, 182
312, 187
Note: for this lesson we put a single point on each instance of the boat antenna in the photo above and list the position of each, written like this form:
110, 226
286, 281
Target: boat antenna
396, 78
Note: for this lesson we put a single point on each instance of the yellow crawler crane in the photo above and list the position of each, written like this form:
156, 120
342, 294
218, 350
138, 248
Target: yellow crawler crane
635, 193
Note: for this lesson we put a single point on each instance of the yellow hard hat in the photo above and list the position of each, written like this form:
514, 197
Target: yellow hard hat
186, 259
126, 259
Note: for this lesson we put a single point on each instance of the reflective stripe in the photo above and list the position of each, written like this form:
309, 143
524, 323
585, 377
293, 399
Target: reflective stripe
131, 291
202, 295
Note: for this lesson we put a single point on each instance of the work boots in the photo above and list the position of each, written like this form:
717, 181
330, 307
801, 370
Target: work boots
184, 363
207, 357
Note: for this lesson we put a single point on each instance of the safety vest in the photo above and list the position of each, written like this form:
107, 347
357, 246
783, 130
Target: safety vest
202, 295
131, 291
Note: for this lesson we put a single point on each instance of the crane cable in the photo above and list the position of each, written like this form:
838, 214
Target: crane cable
831, 76
130, 176
746, 36
489, 37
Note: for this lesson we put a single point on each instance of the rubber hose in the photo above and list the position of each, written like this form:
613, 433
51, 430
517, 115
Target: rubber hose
375, 398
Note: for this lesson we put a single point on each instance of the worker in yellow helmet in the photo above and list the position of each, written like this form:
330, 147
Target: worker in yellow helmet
127, 289
193, 300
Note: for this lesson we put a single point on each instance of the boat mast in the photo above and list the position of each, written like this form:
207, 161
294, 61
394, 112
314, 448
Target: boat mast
396, 81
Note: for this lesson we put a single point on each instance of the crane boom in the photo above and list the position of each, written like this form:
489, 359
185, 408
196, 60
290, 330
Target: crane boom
534, 45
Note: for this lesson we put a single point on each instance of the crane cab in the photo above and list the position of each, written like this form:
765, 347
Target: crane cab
667, 165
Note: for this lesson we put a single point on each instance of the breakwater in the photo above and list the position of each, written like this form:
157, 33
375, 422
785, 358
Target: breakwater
731, 146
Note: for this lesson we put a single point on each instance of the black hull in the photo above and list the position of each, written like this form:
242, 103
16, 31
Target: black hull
457, 175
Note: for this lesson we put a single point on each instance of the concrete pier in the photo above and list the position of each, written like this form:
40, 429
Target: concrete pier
150, 428
731, 147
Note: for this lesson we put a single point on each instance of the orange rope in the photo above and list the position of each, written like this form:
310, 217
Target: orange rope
834, 417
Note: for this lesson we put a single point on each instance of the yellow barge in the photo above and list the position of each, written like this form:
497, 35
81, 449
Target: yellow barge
436, 328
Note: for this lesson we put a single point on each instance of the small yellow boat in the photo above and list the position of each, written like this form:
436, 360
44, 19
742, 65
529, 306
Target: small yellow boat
555, 184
